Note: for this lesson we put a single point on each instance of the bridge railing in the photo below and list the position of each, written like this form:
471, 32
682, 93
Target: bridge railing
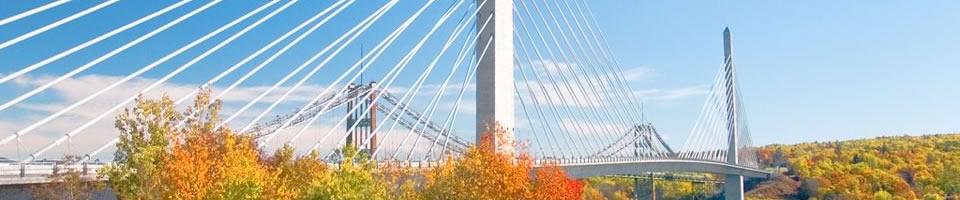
31, 173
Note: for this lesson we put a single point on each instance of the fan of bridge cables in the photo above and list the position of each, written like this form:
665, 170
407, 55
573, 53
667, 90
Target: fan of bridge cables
722, 115
572, 92
304, 62
392, 77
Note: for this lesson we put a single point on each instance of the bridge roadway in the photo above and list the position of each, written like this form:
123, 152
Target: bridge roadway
33, 173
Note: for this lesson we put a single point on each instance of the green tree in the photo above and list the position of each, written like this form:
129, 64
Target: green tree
142, 146
949, 178
778, 159
352, 179
809, 188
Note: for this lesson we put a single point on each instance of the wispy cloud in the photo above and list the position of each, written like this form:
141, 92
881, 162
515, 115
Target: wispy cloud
639, 74
570, 87
663, 95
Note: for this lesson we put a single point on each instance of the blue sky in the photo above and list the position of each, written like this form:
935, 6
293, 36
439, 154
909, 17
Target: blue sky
809, 71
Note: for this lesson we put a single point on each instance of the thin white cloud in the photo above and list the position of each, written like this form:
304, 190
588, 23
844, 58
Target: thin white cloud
638, 74
664, 95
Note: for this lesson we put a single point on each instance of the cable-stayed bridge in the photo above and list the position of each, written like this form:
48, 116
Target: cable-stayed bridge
289, 72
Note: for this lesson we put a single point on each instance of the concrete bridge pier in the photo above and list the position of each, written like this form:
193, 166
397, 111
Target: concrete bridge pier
733, 187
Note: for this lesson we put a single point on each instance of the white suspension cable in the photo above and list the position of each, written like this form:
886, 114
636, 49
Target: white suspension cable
304, 79
71, 51
581, 132
580, 65
55, 24
556, 113
353, 33
98, 150
536, 103
523, 106
413, 92
707, 126
172, 74
379, 49
621, 98
276, 54
606, 51
462, 54
452, 116
720, 127
108, 55
420, 81
692, 140
569, 86
254, 55
596, 57
436, 98
708, 134
32, 11
394, 72
267, 47
404, 62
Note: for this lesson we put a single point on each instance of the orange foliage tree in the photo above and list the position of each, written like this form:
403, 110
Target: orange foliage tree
553, 183
484, 173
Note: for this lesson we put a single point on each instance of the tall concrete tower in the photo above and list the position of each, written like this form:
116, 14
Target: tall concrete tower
495, 70
733, 185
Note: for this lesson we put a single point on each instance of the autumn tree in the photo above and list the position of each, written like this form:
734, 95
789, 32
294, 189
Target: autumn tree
949, 178
352, 179
401, 182
158, 159
481, 173
145, 133
293, 175
239, 173
553, 183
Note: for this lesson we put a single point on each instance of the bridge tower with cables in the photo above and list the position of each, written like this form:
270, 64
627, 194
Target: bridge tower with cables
733, 186
495, 86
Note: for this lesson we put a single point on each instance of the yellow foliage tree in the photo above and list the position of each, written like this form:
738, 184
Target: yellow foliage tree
292, 176
352, 179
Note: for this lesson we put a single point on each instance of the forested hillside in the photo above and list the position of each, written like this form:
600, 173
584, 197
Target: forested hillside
907, 167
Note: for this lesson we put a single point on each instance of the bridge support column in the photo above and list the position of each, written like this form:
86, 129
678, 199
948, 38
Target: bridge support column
733, 185
495, 71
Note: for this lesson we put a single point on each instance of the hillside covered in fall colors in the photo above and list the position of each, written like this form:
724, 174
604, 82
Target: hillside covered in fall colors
903, 167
